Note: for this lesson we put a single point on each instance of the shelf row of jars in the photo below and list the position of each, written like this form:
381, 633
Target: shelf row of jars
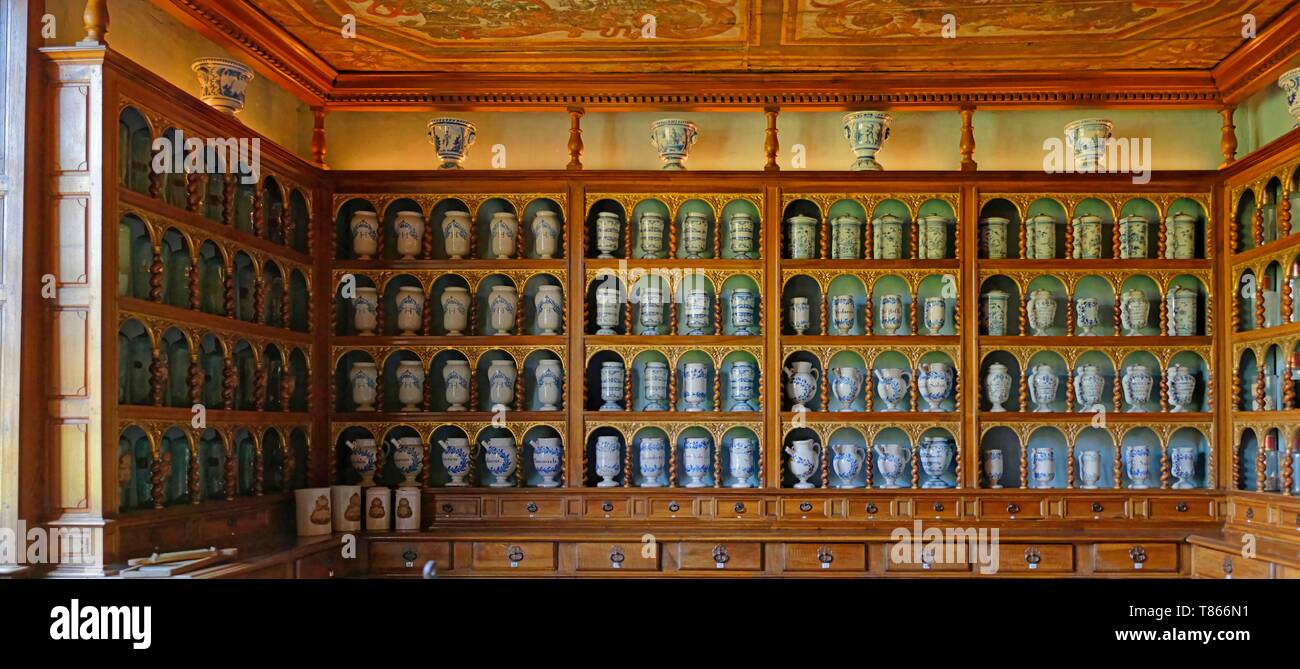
170, 369
889, 462
496, 233
496, 384
857, 313
1259, 301
278, 212
1090, 237
897, 386
887, 237
1093, 310
695, 309
1091, 386
694, 383
1093, 462
213, 278
496, 310
491, 458
653, 460
1265, 467
222, 464
1268, 215
695, 235
1267, 381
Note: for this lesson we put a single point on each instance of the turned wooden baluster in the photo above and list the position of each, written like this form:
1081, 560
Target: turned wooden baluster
156, 181
1164, 468
717, 391
1260, 321
1259, 467
672, 317
913, 391
290, 463
193, 191
1069, 465
157, 377
627, 465
1069, 389
912, 317
259, 300
672, 389
825, 468
771, 145
1117, 469
1119, 317
156, 275
1117, 391
1288, 473
1257, 223
868, 316
229, 289
379, 389
956, 395
1164, 391
229, 381
520, 311
285, 309
957, 467
380, 311
1069, 316
1069, 239
520, 398
672, 463
228, 200
288, 383
1259, 390
1023, 309
192, 279
967, 148
575, 138
1161, 239
956, 314
1024, 248
287, 225
1023, 404
866, 239
232, 481
259, 224
1236, 466
259, 471
1284, 212
196, 485
156, 489
823, 319
868, 396
627, 388
821, 239
869, 465
195, 379
260, 378
716, 308
672, 242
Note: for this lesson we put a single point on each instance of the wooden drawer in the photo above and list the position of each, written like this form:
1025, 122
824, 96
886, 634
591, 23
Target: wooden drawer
733, 556
1250, 514
870, 509
672, 508
456, 507
825, 557
325, 564
1288, 572
1036, 558
1095, 508
532, 508
1181, 509
1209, 563
237, 524
803, 509
921, 564
607, 508
936, 509
625, 556
743, 509
1018, 508
408, 557
514, 556
1124, 558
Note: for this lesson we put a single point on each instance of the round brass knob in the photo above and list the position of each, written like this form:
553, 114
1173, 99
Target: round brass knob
674, 507
532, 507
805, 507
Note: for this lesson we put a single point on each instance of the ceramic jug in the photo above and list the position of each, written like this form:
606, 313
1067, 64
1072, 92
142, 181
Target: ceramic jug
1041, 311
934, 381
892, 385
365, 456
846, 383
1088, 384
1089, 469
846, 462
408, 457
1134, 311
805, 456
802, 382
891, 460
1137, 384
1042, 387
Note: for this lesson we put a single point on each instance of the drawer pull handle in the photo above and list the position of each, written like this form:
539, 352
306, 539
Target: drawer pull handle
515, 554
938, 506
1138, 554
1227, 566
1097, 507
872, 508
824, 555
805, 507
739, 507
1032, 556
1181, 507
448, 508
607, 507
616, 555
1250, 514
674, 507
532, 507
1013, 508
410, 555
720, 554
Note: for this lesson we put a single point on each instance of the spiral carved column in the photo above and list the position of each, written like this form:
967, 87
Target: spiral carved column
195, 379
232, 480
195, 483
156, 489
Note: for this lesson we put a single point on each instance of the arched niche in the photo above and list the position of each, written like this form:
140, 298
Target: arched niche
1248, 446
300, 221
555, 385
175, 457
134, 150
542, 226
276, 370
1189, 445
936, 299
1101, 442
741, 382
886, 365
1094, 287
439, 461
1011, 366
297, 375
405, 317
697, 300
440, 371
134, 356
363, 291
649, 455
695, 472
134, 257
1194, 284
347, 474
848, 456
936, 382
889, 470
532, 291
1185, 210
245, 287
741, 230
174, 189
1138, 229
1136, 444
245, 361
847, 369
884, 290
1037, 240
999, 303
612, 210
649, 236
246, 462
1268, 209
1081, 379
349, 365
696, 207
740, 458
245, 194
212, 361
496, 369
212, 279
1047, 453
693, 392
805, 291
1045, 318
134, 465
343, 237
407, 207
1248, 370
742, 306
1244, 220
1093, 207
272, 210
1047, 377
273, 460
792, 447
1139, 299
853, 291
212, 465
484, 306
936, 230
649, 301
546, 437
497, 241
1200, 372
214, 196
273, 294
176, 262
792, 379
596, 475
801, 207
174, 347
1274, 369
299, 302
999, 230
1269, 285
647, 395
393, 399
1140, 376
450, 313
1000, 458
883, 248
1247, 292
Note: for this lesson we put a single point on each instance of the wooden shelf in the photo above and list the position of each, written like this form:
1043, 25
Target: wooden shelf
1087, 416
870, 340
650, 341
559, 415
1100, 264
232, 326
183, 415
450, 266
541, 341
949, 264
592, 416
1097, 341
130, 199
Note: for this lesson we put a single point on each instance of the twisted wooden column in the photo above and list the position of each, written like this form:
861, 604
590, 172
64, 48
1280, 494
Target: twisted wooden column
156, 275
1117, 471
230, 381
259, 222
1069, 464
232, 480
196, 288
1069, 239
229, 289
1023, 316
259, 300
1024, 465
260, 379
195, 379
1069, 316
1164, 468
259, 471
195, 483
1257, 225
156, 489
157, 377
228, 201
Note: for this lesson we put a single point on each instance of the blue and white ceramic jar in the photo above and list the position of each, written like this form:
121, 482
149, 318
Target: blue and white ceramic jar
548, 454
451, 138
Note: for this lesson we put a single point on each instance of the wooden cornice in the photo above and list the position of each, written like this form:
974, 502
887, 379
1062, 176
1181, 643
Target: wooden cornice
277, 54
1258, 62
274, 52
805, 91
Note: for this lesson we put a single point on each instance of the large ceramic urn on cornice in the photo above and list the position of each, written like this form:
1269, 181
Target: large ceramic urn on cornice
222, 83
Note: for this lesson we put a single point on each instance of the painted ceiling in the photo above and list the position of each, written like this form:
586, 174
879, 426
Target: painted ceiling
518, 36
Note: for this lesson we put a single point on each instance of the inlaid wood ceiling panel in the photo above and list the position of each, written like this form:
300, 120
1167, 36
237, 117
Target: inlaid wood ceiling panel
768, 35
